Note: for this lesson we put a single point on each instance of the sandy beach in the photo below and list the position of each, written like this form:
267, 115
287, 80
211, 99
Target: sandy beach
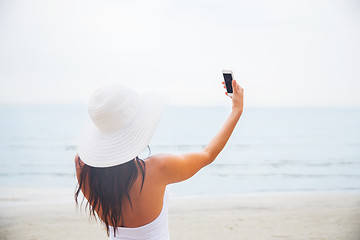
296, 215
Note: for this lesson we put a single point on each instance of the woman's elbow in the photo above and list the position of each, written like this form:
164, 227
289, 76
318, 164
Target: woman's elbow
208, 156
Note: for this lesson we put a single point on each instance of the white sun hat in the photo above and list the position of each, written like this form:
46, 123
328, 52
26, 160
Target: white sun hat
123, 122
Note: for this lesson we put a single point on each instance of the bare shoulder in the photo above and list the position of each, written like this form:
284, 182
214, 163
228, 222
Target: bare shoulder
160, 161
157, 165
156, 161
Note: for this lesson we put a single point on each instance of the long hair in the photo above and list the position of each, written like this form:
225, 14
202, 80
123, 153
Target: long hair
108, 187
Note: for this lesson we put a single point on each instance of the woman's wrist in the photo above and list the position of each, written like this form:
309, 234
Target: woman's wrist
237, 111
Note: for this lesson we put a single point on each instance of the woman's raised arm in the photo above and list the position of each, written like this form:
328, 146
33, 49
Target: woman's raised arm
177, 168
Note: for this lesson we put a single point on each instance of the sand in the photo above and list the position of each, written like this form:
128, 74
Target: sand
298, 215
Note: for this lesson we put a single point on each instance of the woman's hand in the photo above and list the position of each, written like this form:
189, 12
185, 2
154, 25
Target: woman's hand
237, 96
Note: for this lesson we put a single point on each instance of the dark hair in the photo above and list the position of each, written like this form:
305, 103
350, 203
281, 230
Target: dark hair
108, 187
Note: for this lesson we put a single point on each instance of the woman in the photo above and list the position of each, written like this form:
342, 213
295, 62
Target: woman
125, 192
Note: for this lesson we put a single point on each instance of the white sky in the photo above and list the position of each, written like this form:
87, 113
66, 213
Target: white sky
284, 53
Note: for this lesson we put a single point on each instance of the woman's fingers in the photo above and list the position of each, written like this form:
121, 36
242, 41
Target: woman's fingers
227, 95
235, 86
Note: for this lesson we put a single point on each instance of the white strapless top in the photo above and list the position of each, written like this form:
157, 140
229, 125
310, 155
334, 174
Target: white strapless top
156, 230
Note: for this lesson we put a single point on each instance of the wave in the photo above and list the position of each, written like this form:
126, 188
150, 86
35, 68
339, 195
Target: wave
280, 164
11, 147
286, 175
71, 147
51, 174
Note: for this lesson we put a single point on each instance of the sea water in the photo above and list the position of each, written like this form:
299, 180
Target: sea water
271, 149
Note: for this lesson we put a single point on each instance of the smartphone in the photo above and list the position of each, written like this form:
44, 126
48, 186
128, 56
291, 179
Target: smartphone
228, 77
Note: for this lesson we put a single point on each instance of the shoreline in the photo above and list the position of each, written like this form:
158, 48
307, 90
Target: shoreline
19, 195
276, 215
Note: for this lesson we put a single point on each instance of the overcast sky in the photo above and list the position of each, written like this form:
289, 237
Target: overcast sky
284, 53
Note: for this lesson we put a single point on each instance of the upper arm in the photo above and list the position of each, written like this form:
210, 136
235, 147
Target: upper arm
177, 168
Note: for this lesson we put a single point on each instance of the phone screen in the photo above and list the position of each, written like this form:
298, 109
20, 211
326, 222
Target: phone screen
228, 82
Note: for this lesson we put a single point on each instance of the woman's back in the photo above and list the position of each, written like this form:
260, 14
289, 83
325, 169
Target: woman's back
146, 200
155, 230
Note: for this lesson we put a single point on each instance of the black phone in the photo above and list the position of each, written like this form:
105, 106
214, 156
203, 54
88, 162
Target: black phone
228, 77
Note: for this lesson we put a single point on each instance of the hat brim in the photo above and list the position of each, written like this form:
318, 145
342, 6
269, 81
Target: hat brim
99, 149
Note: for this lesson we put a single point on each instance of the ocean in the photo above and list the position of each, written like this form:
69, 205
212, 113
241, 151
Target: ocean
271, 149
